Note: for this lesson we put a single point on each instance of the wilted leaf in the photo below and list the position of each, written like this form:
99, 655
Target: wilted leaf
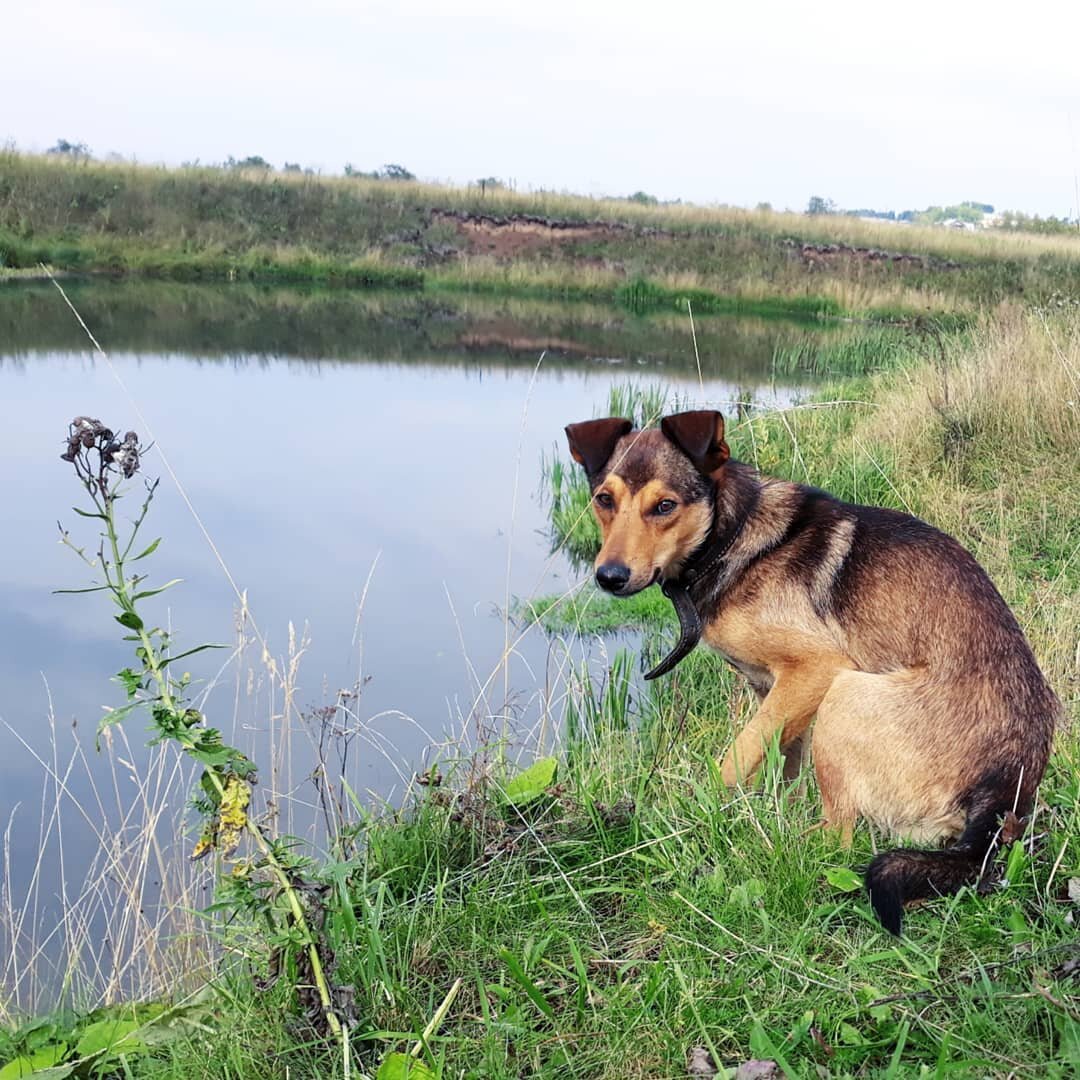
1012, 827
532, 782
400, 1066
700, 1062
758, 1070
843, 878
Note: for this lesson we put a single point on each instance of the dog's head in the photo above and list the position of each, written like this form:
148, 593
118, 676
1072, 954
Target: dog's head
652, 492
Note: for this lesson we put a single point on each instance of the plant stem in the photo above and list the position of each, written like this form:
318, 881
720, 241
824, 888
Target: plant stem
154, 665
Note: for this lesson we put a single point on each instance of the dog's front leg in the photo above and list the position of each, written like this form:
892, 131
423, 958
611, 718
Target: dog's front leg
788, 708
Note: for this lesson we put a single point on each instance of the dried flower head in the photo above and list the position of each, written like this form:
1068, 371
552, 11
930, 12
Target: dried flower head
87, 437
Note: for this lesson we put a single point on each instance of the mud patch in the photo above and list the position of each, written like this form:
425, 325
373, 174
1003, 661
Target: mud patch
522, 234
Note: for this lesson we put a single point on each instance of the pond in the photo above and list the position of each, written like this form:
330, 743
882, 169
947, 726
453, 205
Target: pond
367, 468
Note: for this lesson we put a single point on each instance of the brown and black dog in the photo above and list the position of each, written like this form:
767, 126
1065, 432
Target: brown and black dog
933, 718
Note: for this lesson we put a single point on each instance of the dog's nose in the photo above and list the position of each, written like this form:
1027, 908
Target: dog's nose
612, 576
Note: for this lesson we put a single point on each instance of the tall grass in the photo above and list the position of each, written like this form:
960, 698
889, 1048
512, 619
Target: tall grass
636, 913
214, 223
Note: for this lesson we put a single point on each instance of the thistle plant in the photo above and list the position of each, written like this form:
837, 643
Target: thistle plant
273, 884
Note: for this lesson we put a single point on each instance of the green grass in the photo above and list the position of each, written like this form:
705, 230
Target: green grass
637, 909
592, 612
214, 224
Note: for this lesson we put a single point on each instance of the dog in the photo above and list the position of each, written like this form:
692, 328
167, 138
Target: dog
933, 719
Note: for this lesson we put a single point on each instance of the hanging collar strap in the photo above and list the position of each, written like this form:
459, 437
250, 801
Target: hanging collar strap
705, 561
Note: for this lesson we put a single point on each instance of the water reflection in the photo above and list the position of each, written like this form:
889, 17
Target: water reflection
335, 445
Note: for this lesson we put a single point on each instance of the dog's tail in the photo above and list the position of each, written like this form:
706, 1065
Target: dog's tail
897, 877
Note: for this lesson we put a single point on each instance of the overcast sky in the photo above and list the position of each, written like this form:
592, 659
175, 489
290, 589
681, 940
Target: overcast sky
886, 105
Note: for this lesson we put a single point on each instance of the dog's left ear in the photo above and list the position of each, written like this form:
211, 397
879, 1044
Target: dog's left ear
592, 442
700, 436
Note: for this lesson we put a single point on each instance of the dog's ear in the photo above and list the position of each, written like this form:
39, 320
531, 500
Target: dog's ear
700, 436
593, 441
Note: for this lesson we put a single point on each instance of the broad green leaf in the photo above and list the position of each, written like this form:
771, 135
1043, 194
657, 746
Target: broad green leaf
531, 783
36, 1063
130, 620
843, 878
850, 1035
400, 1066
114, 1036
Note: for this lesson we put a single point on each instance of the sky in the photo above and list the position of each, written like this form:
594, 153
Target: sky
885, 105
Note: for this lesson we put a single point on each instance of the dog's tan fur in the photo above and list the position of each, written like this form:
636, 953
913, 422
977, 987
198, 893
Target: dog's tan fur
930, 709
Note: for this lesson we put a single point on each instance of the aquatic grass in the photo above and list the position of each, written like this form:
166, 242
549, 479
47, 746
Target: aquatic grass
861, 354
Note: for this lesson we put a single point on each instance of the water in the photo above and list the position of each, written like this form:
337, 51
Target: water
335, 447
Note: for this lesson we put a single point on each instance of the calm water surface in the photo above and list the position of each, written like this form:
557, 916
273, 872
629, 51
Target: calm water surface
329, 443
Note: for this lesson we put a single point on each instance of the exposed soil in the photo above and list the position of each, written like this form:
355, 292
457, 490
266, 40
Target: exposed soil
815, 256
520, 234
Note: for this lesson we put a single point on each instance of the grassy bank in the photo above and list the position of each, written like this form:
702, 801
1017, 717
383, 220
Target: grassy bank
635, 915
215, 224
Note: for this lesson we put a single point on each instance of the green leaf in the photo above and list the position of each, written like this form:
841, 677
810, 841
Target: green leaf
1016, 862
71, 592
114, 716
843, 878
154, 592
400, 1066
149, 551
850, 1035
523, 980
37, 1063
114, 1036
190, 652
89, 513
130, 620
132, 683
531, 783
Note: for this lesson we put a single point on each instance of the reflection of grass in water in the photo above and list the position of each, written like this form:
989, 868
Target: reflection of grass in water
456, 328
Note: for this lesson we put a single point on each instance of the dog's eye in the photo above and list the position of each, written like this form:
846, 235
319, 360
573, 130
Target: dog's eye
602, 498
665, 506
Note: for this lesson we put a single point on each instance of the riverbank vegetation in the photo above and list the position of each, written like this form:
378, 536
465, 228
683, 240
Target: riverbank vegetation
255, 224
617, 912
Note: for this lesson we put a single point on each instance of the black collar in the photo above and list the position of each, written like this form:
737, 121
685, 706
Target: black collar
705, 561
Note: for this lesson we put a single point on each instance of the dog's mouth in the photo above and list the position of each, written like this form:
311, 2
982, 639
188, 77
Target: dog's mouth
632, 589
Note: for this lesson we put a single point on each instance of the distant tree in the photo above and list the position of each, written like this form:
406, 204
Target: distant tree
763, 206
644, 198
254, 161
395, 172
817, 205
76, 151
291, 166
